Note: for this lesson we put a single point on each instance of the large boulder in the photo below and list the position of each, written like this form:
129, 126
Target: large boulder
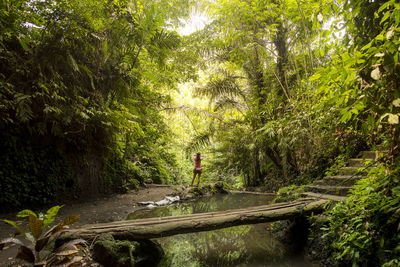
124, 253
205, 190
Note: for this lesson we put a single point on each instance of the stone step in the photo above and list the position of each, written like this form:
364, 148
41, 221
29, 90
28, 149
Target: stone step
358, 162
329, 190
341, 180
367, 155
372, 154
353, 170
324, 196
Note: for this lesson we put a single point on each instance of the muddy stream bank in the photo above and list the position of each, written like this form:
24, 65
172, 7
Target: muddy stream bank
247, 245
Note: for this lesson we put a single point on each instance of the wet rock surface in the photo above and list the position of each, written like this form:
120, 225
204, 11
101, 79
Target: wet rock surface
124, 253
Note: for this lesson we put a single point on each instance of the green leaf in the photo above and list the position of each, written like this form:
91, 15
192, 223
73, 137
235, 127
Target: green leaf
315, 77
367, 46
23, 44
51, 215
16, 226
26, 213
385, 5
396, 191
44, 87
380, 37
385, 17
75, 66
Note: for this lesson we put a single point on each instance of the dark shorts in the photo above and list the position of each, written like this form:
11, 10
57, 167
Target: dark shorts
195, 171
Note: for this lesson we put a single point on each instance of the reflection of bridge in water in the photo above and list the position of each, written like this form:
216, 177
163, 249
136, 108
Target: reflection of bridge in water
173, 225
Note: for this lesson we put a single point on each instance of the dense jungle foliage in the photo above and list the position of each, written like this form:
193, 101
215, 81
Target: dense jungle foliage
102, 96
82, 86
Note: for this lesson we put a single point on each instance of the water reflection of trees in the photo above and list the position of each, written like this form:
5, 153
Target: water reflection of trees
220, 248
207, 204
241, 245
235, 246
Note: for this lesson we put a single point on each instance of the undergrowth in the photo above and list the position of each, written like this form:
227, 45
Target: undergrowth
364, 230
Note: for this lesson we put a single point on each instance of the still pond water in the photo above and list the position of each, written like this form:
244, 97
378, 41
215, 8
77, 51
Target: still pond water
247, 245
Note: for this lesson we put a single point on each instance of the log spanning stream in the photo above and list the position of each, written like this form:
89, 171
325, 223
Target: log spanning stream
244, 245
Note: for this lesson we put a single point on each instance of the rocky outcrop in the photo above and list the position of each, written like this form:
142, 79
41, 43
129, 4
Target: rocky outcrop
123, 253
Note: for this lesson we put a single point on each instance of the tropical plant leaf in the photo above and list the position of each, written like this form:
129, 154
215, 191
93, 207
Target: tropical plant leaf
75, 66
26, 213
41, 243
26, 254
63, 225
73, 243
54, 229
30, 237
68, 252
16, 226
9, 240
70, 219
73, 261
35, 226
51, 215
40, 264
23, 44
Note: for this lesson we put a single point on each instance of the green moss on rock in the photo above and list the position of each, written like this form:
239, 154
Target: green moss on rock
115, 253
207, 189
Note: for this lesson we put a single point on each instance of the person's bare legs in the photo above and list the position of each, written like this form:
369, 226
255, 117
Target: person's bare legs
194, 176
198, 181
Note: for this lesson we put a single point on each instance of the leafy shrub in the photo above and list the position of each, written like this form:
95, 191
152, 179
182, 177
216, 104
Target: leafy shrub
288, 193
40, 235
32, 174
361, 229
340, 161
120, 175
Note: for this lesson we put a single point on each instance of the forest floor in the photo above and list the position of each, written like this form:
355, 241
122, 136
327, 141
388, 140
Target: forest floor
107, 209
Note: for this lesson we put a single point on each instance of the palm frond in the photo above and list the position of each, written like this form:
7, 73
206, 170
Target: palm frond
168, 40
226, 102
221, 84
199, 141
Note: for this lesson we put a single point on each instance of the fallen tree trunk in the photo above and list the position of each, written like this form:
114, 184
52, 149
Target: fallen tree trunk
167, 226
197, 216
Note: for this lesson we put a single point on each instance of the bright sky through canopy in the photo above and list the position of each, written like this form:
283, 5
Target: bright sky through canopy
196, 22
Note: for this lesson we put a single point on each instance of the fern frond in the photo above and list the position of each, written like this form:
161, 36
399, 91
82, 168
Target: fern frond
221, 84
199, 141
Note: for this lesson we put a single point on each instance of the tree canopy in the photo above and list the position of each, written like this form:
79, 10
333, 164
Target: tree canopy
103, 96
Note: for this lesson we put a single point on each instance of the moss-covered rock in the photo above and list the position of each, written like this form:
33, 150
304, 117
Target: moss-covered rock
115, 253
219, 187
289, 193
110, 252
207, 190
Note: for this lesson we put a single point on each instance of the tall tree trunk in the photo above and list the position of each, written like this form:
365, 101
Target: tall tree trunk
282, 60
257, 179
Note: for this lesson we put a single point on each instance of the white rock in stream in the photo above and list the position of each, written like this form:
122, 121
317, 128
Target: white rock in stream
145, 203
166, 201
173, 199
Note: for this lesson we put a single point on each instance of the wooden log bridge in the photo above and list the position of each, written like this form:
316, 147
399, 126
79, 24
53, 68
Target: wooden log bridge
173, 225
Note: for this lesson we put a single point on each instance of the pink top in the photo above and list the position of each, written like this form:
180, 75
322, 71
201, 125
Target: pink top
197, 164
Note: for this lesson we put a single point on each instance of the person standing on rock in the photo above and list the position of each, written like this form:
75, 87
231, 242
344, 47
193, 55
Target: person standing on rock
197, 167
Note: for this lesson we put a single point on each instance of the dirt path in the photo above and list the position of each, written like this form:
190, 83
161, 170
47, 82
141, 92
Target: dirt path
109, 209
